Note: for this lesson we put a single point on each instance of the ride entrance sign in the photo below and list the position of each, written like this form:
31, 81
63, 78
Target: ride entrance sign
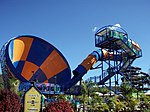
32, 100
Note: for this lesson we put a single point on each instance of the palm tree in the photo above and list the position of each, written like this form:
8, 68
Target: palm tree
103, 108
104, 90
95, 102
144, 103
127, 91
84, 98
132, 104
89, 96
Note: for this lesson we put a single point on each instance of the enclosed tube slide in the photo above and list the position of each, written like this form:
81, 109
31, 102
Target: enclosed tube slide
86, 65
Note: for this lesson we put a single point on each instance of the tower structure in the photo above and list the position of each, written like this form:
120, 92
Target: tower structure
120, 52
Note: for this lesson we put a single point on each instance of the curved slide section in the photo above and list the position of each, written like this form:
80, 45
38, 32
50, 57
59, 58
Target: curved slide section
87, 64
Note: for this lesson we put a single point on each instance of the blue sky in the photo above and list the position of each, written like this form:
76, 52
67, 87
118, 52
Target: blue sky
69, 24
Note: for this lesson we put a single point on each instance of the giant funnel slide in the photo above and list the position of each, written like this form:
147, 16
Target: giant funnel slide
109, 39
29, 58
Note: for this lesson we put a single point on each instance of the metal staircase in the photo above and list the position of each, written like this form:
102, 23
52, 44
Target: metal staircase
117, 40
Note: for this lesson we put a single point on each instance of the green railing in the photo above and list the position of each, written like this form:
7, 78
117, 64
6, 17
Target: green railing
107, 33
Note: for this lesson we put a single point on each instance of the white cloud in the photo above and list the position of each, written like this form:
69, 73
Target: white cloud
114, 27
94, 29
117, 25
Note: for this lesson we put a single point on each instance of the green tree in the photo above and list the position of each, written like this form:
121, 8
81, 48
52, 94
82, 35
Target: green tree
131, 102
103, 108
14, 84
1, 85
126, 90
95, 102
144, 103
104, 90
89, 98
84, 99
111, 104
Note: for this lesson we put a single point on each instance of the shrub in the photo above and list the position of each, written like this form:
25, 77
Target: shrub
58, 106
9, 101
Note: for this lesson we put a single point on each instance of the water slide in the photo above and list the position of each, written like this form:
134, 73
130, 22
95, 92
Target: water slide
111, 39
87, 64
29, 58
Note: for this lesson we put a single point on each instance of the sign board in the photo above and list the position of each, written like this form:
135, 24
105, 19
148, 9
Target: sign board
32, 100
